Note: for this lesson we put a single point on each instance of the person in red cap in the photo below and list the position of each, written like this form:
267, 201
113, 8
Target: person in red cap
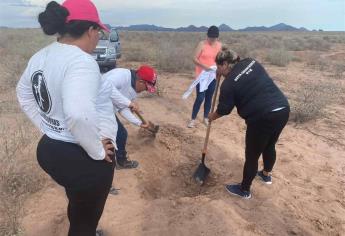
59, 92
129, 83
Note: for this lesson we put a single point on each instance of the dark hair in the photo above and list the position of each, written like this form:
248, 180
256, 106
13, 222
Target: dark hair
213, 32
227, 55
53, 20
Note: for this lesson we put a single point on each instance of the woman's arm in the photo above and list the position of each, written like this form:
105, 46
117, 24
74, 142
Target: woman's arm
128, 115
196, 57
27, 100
79, 95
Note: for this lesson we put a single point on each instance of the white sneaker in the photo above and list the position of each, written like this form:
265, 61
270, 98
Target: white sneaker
191, 124
206, 121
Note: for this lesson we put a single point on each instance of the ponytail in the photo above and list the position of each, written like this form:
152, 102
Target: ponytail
227, 55
53, 19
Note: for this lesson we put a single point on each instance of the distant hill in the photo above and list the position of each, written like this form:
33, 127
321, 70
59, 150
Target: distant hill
225, 28
145, 27
222, 28
277, 27
192, 28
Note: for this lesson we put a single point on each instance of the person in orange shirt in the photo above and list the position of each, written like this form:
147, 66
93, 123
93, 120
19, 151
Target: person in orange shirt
204, 59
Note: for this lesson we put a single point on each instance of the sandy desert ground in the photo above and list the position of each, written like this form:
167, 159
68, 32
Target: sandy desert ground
307, 196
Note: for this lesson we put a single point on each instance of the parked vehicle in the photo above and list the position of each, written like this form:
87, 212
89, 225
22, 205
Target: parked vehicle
108, 50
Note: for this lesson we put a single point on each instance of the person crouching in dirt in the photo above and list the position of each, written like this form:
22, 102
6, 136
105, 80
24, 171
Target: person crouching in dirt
129, 83
263, 106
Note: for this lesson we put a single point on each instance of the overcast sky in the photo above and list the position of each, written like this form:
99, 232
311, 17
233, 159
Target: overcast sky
312, 14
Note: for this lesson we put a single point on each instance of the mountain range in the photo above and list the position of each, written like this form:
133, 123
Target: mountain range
222, 27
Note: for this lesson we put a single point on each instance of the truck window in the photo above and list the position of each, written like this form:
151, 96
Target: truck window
114, 37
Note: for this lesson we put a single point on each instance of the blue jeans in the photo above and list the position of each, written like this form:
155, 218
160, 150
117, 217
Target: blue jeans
200, 97
121, 140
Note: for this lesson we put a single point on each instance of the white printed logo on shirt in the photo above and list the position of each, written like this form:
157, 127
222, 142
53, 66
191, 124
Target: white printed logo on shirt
40, 91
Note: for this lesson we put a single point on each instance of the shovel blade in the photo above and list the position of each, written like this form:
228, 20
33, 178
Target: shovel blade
154, 129
201, 173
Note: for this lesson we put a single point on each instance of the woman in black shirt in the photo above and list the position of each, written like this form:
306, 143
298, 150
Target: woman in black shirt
263, 106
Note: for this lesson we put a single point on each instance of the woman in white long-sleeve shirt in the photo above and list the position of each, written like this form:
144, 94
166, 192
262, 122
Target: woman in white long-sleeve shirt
129, 83
61, 91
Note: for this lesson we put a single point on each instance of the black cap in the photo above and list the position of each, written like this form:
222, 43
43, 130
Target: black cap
213, 32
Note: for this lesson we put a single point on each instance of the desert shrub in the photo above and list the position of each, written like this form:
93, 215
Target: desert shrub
339, 70
318, 44
169, 51
277, 37
18, 174
335, 38
16, 48
175, 57
18, 178
264, 41
311, 100
296, 58
230, 40
315, 61
239, 35
279, 57
140, 52
138, 46
9, 219
294, 44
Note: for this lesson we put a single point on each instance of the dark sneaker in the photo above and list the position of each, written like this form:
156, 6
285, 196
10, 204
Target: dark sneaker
126, 164
235, 189
99, 232
113, 191
264, 178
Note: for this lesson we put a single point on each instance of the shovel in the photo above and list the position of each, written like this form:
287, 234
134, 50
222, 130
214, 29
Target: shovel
152, 128
202, 171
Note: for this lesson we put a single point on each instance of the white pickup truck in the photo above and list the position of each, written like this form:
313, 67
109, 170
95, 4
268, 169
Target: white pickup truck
108, 50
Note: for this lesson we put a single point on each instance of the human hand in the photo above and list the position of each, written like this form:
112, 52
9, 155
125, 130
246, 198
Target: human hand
145, 125
218, 74
150, 127
208, 68
134, 107
109, 149
213, 116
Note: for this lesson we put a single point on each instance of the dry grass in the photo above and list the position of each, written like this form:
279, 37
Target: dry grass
279, 57
19, 174
339, 70
311, 100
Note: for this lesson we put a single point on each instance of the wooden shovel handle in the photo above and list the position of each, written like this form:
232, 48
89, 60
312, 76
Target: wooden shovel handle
214, 98
140, 117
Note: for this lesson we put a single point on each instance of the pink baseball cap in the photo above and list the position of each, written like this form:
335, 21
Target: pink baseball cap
83, 10
149, 75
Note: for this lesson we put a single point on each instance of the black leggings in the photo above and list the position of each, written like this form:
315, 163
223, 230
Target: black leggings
261, 138
86, 181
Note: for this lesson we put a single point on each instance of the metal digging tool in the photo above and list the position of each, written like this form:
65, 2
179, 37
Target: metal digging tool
152, 128
202, 171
